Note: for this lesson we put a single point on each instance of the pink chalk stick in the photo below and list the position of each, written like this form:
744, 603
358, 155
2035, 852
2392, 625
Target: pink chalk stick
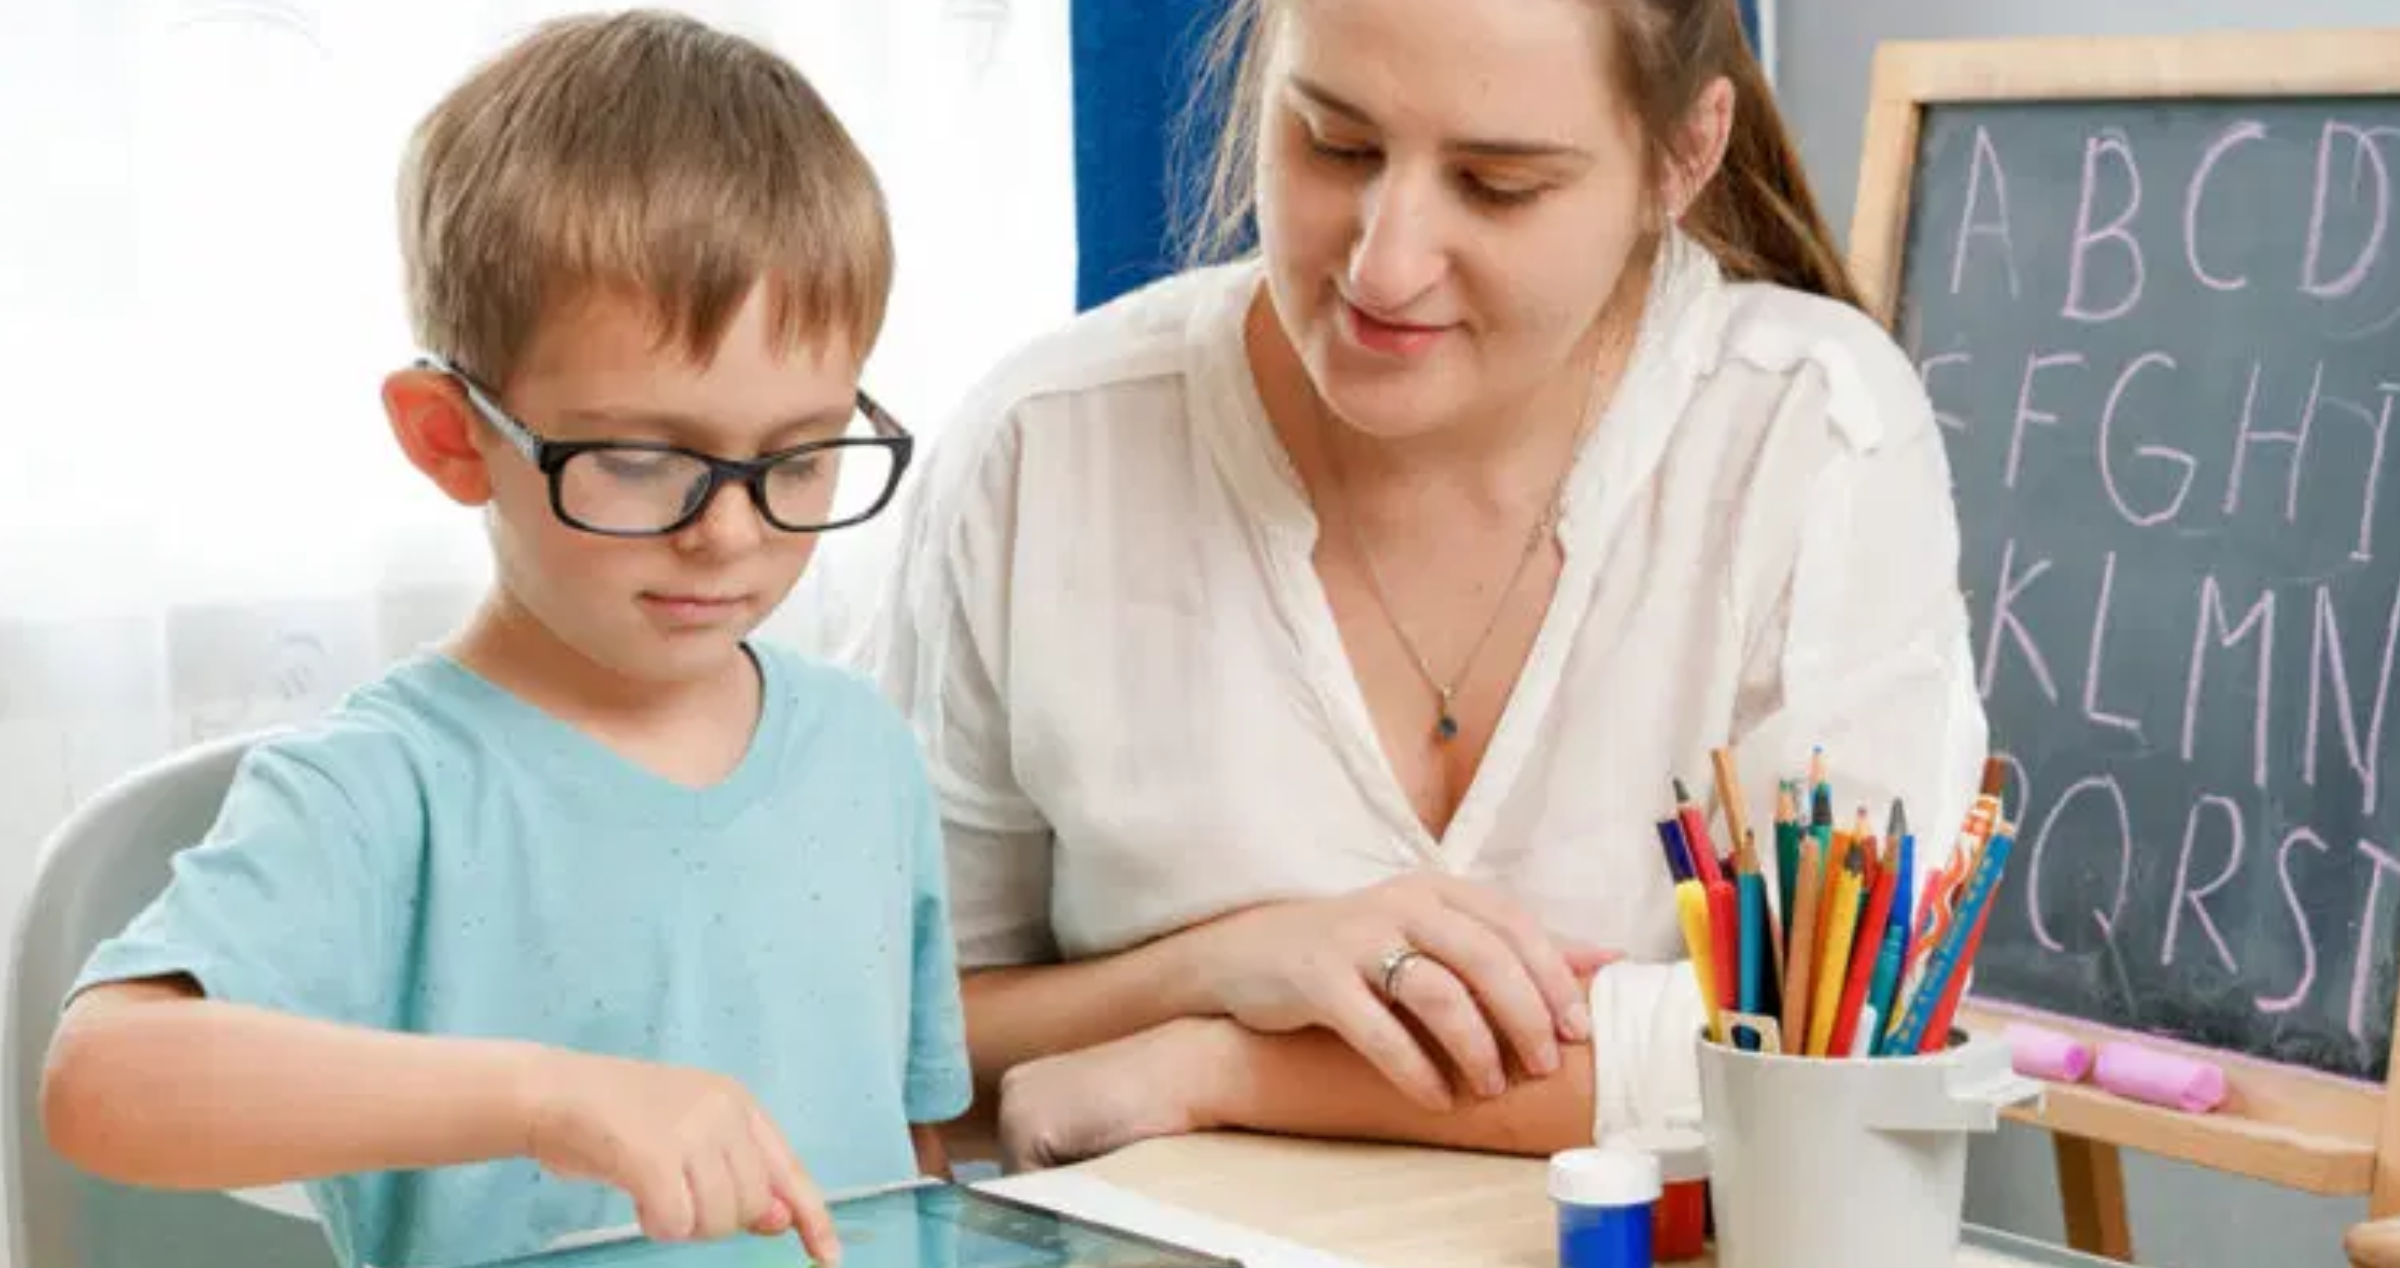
2160, 1078
2046, 1054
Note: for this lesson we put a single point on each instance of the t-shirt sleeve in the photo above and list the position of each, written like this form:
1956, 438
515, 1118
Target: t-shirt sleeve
939, 1083
293, 900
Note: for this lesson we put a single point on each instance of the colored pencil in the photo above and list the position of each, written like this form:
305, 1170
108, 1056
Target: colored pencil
1937, 1031
1670, 840
1691, 911
1865, 949
1840, 928
1796, 982
1695, 835
1948, 960
1787, 858
1771, 931
1729, 795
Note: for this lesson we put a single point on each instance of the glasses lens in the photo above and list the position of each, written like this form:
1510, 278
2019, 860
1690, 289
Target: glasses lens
836, 485
629, 490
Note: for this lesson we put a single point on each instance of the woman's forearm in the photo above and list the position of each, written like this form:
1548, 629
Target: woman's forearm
1312, 1084
1020, 1014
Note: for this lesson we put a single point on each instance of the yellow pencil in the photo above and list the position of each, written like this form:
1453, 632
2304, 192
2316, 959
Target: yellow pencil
1840, 928
1691, 907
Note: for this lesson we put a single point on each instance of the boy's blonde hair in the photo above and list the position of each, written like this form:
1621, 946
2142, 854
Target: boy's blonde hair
641, 154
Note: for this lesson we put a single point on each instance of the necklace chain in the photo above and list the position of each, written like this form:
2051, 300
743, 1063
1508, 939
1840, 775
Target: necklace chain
1446, 692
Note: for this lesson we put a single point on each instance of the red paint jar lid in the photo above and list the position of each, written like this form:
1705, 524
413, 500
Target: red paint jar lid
1682, 1152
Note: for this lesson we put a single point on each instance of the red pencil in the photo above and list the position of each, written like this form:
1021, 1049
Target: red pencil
1727, 934
1863, 951
1695, 835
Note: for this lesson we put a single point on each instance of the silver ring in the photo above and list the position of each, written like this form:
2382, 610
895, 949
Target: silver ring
1395, 961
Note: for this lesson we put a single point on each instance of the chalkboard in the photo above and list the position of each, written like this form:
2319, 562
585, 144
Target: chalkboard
2163, 339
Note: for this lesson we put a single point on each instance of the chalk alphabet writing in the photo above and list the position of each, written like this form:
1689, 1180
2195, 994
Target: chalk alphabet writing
2163, 348
2113, 145
2244, 130
1986, 167
2092, 711
2183, 462
2365, 151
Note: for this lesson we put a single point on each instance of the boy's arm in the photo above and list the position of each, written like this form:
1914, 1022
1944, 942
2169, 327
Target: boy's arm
260, 1097
933, 1157
151, 1084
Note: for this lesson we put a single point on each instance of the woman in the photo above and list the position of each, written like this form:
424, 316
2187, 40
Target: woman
1304, 645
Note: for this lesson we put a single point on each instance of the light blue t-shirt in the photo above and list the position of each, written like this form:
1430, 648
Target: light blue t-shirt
441, 857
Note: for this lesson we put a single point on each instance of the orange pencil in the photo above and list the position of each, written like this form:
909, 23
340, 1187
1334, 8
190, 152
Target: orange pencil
1729, 794
1837, 848
1864, 949
1841, 926
1797, 978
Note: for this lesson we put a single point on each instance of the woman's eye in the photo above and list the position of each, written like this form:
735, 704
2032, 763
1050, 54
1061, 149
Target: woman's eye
1501, 193
1340, 152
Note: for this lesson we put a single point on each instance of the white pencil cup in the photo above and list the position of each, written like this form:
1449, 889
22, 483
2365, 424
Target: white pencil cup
1847, 1163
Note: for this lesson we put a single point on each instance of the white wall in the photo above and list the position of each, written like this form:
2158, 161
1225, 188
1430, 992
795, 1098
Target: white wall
2182, 1216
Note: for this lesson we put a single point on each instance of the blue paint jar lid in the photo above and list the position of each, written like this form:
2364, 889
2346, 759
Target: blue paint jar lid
1604, 1177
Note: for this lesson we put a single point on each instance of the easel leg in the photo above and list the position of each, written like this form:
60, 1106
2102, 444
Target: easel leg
2091, 1189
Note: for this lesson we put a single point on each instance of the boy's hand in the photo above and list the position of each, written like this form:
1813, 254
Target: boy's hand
698, 1156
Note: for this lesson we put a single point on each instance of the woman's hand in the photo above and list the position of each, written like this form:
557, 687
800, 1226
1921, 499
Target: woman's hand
1159, 1082
1482, 971
698, 1156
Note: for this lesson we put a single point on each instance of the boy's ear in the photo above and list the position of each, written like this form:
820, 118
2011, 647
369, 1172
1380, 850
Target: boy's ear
434, 423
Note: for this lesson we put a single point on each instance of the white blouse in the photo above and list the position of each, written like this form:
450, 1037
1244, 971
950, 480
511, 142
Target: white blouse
1107, 631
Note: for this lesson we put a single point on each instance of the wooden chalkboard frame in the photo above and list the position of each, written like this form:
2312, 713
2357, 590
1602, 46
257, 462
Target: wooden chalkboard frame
2294, 1128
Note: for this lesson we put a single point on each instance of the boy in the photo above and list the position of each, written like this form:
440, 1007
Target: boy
601, 912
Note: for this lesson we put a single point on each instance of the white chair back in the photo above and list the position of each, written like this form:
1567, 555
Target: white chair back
96, 872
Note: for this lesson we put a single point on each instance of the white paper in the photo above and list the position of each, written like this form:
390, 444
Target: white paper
1095, 1199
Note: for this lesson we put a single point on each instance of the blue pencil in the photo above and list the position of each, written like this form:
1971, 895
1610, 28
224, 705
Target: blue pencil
1679, 860
1944, 963
1885, 984
1754, 939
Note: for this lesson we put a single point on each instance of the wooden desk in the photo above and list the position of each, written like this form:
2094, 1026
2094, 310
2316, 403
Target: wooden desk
1403, 1208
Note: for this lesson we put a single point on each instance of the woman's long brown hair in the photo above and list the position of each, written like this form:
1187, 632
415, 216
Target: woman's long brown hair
1757, 216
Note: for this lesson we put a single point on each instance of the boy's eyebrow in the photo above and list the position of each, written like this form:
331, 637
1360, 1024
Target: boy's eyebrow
833, 418
1479, 147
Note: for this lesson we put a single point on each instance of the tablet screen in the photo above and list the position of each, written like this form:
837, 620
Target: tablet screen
923, 1226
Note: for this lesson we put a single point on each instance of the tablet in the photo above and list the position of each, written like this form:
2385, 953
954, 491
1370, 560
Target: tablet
929, 1225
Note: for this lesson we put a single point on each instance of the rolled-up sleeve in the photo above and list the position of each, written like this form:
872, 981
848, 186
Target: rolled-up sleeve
1863, 649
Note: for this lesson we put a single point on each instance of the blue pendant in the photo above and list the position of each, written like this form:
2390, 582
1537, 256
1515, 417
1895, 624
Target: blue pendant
1447, 728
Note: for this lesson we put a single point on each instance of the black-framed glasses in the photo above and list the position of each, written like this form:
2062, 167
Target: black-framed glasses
642, 488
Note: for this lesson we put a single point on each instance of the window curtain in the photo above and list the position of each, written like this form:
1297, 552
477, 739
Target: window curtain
204, 524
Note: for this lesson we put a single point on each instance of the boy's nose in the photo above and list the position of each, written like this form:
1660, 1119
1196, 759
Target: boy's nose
729, 523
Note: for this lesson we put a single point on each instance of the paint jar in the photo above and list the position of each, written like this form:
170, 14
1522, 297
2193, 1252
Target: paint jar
1605, 1200
1679, 1221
